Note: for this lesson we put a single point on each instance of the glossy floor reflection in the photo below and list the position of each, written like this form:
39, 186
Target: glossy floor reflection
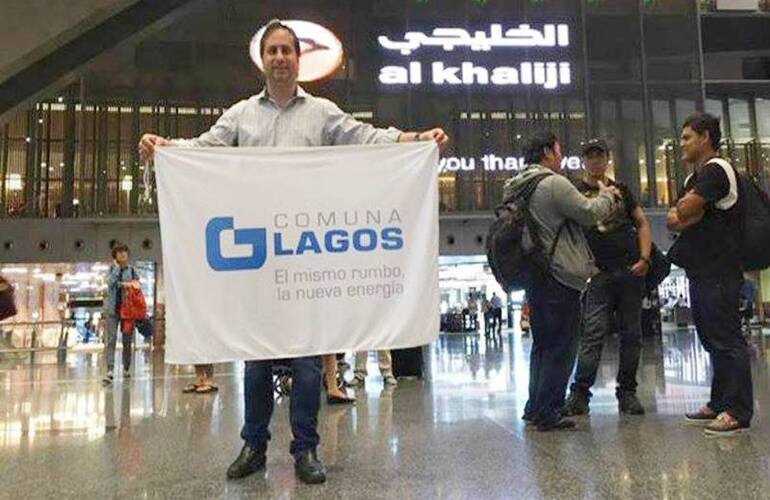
455, 435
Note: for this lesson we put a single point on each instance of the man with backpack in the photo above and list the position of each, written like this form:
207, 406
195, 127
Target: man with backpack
621, 245
708, 218
557, 269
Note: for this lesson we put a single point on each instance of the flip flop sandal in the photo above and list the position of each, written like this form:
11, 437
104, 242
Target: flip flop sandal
206, 389
190, 388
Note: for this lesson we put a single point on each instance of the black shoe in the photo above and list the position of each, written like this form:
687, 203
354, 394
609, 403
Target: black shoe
309, 469
559, 425
576, 404
629, 403
337, 400
248, 462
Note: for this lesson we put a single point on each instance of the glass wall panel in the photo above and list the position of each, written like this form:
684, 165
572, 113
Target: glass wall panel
632, 77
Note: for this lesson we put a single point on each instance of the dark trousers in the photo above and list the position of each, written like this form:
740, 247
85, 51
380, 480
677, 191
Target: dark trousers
555, 320
715, 303
611, 294
497, 316
305, 402
111, 330
488, 326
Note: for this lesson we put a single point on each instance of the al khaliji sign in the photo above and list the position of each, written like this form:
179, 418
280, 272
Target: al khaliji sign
455, 56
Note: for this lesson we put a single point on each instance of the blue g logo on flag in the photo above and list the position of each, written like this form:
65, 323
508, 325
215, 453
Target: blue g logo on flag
256, 237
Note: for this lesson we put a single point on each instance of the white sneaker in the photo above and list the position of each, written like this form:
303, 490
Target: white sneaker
389, 379
108, 378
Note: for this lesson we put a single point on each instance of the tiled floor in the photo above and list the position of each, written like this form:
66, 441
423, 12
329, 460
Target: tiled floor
455, 435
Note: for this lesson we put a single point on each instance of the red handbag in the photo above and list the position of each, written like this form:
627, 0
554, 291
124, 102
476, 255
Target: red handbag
7, 299
132, 308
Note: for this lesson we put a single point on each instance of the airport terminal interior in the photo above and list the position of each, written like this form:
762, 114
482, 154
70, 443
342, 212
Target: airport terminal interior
82, 81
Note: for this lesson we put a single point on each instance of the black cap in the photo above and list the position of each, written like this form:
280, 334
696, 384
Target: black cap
595, 144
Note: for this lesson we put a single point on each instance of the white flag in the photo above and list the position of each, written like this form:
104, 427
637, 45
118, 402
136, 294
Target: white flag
287, 252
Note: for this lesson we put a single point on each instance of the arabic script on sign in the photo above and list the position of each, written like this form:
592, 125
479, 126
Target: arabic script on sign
552, 35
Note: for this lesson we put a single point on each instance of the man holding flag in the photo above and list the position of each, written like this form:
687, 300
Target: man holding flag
284, 115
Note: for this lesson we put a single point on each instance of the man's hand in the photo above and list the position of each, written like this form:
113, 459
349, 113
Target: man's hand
613, 190
640, 268
436, 134
148, 143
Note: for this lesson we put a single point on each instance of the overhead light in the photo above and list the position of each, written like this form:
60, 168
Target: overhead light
13, 182
14, 270
127, 184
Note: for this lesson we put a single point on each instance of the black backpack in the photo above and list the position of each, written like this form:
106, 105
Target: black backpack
754, 215
660, 268
513, 243
754, 206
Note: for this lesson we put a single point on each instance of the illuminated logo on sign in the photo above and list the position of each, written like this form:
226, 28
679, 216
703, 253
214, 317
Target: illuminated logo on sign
321, 51
547, 74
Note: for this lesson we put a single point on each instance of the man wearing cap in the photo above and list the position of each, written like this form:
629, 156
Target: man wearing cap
284, 115
621, 244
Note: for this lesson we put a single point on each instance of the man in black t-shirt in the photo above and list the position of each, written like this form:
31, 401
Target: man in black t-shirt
621, 244
707, 217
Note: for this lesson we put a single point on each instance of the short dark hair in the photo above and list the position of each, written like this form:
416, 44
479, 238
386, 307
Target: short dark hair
276, 25
117, 248
704, 122
534, 150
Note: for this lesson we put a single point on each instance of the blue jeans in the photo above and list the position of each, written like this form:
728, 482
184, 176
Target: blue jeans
554, 320
305, 402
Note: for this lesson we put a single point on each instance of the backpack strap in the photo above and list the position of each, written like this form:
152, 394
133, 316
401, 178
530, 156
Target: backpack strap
529, 189
555, 241
525, 192
731, 199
